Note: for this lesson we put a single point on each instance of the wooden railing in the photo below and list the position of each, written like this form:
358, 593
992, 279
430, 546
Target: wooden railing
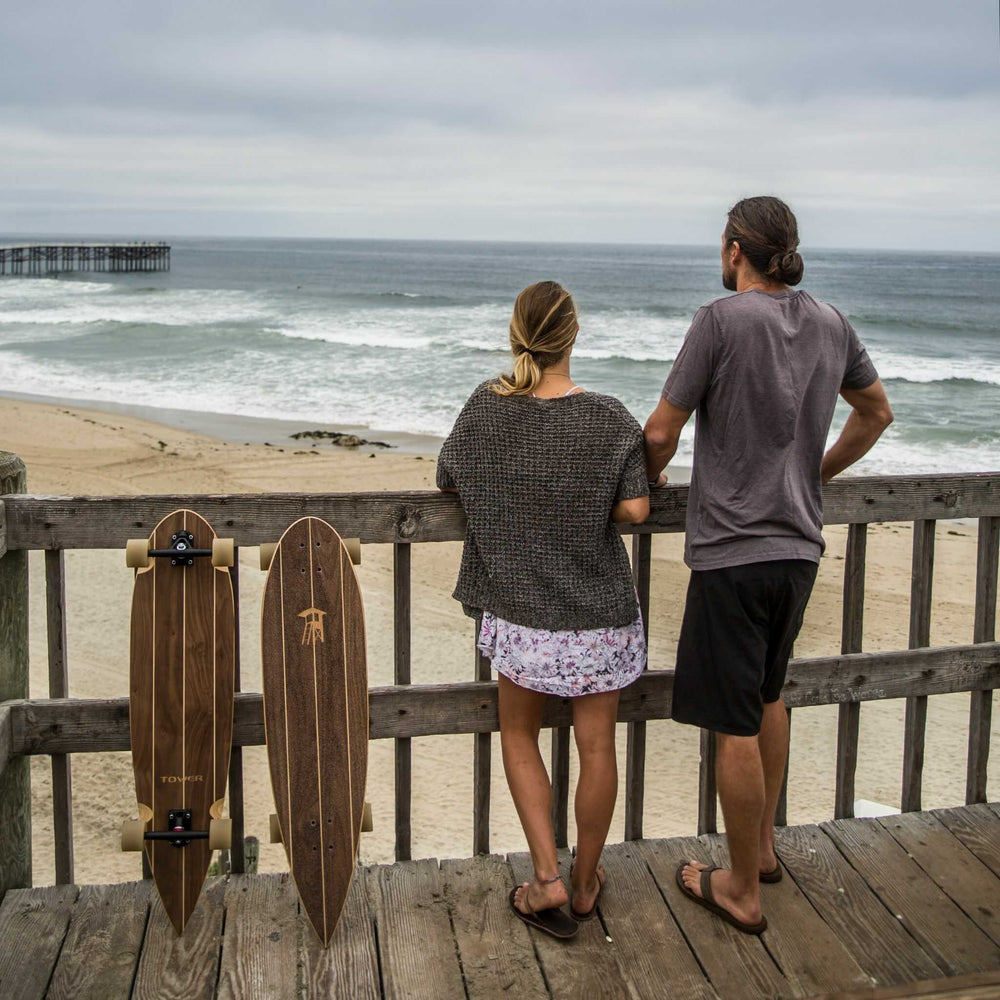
59, 726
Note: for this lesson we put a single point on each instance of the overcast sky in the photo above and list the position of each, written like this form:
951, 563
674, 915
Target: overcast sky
596, 120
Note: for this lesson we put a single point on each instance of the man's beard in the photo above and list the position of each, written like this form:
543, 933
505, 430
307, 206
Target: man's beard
729, 279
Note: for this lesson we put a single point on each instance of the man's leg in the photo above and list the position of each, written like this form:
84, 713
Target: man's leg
739, 775
773, 742
520, 713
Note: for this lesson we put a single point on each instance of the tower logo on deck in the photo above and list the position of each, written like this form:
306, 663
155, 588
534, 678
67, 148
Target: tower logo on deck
312, 631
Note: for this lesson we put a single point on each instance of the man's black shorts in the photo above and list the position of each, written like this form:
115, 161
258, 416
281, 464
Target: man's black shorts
739, 626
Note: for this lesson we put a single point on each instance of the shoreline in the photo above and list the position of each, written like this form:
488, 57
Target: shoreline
235, 428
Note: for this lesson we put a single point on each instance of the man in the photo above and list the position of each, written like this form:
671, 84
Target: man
763, 368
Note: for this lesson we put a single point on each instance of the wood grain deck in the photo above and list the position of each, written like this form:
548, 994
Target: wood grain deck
903, 906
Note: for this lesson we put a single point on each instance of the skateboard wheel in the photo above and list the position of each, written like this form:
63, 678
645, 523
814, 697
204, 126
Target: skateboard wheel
220, 834
275, 829
353, 546
133, 834
267, 554
137, 553
366, 819
222, 552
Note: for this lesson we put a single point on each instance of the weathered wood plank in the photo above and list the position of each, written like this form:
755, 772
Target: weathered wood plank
63, 522
260, 953
3, 530
955, 869
984, 630
15, 781
708, 794
237, 853
781, 810
921, 586
102, 947
349, 967
415, 939
62, 778
980, 986
33, 925
853, 912
978, 827
940, 927
560, 785
175, 966
482, 764
589, 965
401, 652
852, 629
738, 965
495, 948
95, 725
6, 737
634, 915
635, 754
810, 954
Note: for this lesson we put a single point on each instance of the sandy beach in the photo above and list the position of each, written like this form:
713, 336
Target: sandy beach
68, 448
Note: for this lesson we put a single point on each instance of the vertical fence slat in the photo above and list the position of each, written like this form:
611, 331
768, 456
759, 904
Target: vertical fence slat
635, 759
237, 854
781, 812
62, 778
921, 586
708, 806
401, 669
481, 764
984, 630
849, 720
560, 785
15, 782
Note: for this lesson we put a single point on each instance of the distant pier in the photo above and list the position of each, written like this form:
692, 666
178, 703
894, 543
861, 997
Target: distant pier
52, 258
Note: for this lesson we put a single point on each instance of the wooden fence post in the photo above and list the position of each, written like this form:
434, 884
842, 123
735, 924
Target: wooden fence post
15, 782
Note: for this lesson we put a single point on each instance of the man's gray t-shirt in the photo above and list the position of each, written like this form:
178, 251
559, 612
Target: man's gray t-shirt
763, 370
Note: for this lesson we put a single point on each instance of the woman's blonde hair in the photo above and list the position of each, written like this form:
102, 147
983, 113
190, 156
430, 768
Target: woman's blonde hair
543, 328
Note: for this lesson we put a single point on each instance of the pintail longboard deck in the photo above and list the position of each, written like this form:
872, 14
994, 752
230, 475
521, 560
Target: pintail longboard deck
315, 683
181, 676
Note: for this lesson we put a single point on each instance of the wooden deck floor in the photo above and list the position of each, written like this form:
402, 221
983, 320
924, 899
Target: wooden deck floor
870, 903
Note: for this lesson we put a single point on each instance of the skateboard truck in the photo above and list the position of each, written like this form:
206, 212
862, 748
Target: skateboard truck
178, 832
182, 551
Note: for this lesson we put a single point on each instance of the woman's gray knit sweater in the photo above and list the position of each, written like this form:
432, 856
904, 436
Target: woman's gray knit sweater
538, 479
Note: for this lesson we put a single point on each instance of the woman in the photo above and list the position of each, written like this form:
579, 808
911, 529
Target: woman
543, 469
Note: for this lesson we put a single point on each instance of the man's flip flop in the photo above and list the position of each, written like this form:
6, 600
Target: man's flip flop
551, 921
575, 913
771, 877
707, 900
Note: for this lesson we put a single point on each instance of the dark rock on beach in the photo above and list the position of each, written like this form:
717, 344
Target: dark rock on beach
341, 439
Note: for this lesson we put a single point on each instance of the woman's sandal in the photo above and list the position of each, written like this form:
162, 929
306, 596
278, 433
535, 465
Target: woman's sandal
576, 914
551, 920
707, 899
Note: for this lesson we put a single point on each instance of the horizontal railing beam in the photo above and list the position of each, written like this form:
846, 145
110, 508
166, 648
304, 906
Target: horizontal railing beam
91, 522
70, 725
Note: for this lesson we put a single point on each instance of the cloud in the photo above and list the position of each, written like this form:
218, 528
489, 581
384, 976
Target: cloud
633, 121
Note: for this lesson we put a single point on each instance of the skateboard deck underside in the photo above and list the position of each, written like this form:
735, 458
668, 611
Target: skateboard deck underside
181, 705
316, 712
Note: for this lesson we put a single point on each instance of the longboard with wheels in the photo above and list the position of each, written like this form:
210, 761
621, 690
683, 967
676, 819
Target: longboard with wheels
181, 674
315, 682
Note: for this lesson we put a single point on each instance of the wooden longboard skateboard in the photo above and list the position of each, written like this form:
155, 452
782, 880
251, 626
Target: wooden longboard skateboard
315, 682
182, 664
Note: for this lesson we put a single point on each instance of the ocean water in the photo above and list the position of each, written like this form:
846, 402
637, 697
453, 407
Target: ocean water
395, 334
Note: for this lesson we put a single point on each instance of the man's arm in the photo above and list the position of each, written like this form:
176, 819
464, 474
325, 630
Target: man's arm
870, 415
662, 432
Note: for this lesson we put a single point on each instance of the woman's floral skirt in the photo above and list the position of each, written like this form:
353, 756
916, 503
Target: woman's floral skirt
564, 663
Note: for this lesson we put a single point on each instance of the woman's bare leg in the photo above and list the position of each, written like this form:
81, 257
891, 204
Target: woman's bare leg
594, 718
520, 721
